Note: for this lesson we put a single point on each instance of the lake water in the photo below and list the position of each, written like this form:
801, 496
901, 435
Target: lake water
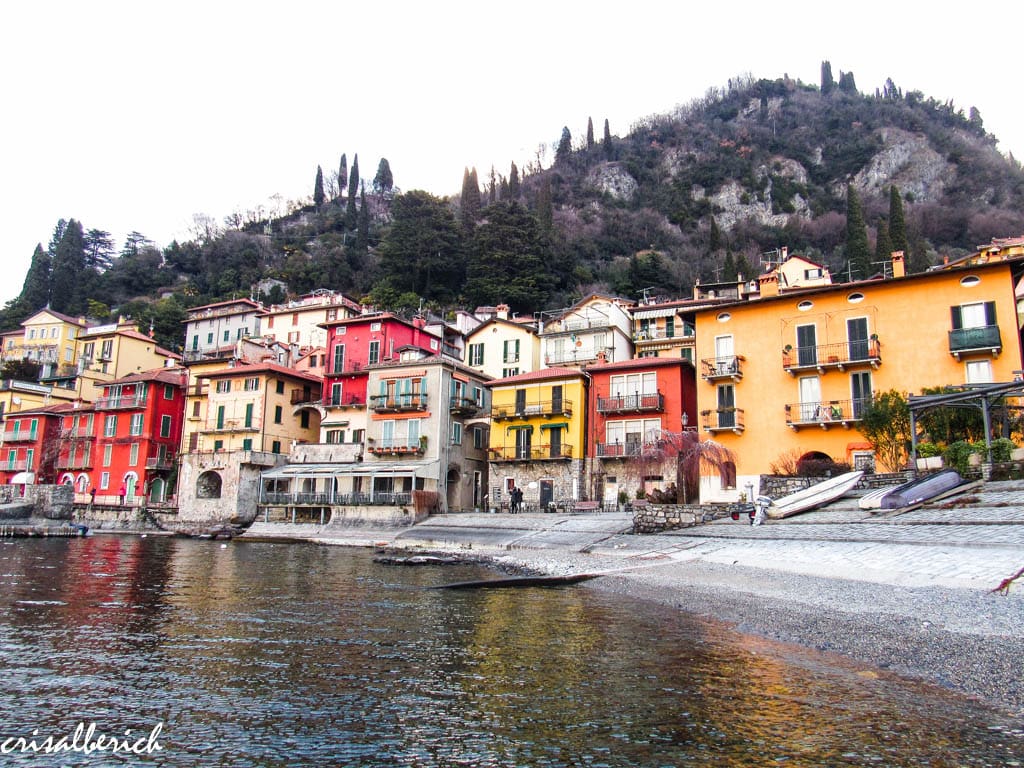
261, 654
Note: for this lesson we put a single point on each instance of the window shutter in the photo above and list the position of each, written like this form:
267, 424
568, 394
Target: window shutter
990, 313
957, 318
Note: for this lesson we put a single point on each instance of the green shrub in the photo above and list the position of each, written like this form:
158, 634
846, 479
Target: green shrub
1001, 449
928, 450
957, 455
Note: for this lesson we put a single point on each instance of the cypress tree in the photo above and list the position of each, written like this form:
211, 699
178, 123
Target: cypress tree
897, 224
470, 199
318, 188
353, 190
858, 253
342, 175
363, 231
827, 83
590, 134
513, 182
883, 245
715, 236
68, 271
383, 182
728, 267
564, 148
35, 291
609, 153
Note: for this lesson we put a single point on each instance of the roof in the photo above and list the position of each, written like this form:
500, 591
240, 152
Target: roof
48, 410
640, 362
59, 315
544, 374
243, 369
527, 324
175, 376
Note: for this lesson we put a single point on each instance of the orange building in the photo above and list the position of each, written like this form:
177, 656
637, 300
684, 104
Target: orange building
789, 373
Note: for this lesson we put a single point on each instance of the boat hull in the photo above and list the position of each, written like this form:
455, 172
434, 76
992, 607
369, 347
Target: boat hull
922, 489
815, 496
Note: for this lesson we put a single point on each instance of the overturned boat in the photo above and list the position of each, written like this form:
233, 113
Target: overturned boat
815, 496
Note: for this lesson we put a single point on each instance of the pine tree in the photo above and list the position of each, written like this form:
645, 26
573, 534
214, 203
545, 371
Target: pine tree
545, 208
353, 189
590, 134
858, 253
728, 267
68, 273
897, 224
470, 203
507, 260
342, 175
846, 83
99, 249
714, 236
513, 182
609, 151
383, 182
827, 83
564, 148
318, 188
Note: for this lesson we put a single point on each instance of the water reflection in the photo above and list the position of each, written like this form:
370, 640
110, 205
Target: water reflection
273, 655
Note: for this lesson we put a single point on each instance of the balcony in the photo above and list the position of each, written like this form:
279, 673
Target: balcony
631, 403
559, 452
723, 420
75, 462
398, 447
378, 498
840, 356
463, 406
16, 435
984, 339
235, 425
343, 401
727, 368
157, 463
304, 397
528, 410
626, 450
196, 390
578, 355
345, 367
17, 466
121, 403
416, 401
77, 433
664, 334
825, 414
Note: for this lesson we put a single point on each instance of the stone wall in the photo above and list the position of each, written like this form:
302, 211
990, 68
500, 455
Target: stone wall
53, 502
655, 518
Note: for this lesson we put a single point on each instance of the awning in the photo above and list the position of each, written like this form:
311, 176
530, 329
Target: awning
519, 426
23, 478
647, 314
362, 469
556, 425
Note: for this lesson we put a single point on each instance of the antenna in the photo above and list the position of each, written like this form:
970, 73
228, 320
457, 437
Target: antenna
645, 293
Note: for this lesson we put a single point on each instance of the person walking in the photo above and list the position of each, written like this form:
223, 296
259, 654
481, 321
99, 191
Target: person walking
120, 492
517, 499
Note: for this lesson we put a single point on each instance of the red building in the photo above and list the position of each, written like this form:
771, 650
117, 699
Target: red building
138, 423
357, 342
31, 442
633, 404
77, 447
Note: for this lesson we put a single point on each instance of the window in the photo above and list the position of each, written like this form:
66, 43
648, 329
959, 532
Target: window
358, 435
224, 385
304, 419
374, 354
108, 452
506, 372
275, 447
248, 415
339, 358
209, 338
104, 481
511, 351
729, 474
133, 455
251, 384
195, 408
168, 391
335, 436
670, 327
456, 433
135, 425
110, 425
340, 331
242, 332
218, 445
336, 393
479, 438
979, 372
278, 415
195, 342
227, 335
247, 444
30, 456
165, 426
374, 327
279, 388
220, 417
293, 337
476, 354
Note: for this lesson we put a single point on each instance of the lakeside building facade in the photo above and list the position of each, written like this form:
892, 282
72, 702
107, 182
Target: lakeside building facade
501, 347
789, 374
31, 441
596, 325
538, 437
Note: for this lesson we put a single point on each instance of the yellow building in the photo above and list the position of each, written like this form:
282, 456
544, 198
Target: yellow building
49, 339
538, 437
789, 374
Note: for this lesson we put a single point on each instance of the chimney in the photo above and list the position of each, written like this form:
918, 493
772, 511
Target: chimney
419, 322
502, 311
785, 254
899, 269
602, 357
769, 284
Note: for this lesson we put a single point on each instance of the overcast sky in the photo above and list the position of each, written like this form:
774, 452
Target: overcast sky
136, 115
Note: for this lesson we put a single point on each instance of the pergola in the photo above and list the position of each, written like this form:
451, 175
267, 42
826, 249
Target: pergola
982, 396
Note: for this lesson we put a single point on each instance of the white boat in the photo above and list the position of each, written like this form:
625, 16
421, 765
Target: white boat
873, 499
815, 496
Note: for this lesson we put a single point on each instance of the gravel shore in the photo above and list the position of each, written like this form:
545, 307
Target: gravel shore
969, 641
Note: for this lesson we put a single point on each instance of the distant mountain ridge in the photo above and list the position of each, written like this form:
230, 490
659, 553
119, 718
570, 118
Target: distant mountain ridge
699, 194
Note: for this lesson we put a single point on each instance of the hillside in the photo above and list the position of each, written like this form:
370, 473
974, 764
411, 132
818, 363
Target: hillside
698, 194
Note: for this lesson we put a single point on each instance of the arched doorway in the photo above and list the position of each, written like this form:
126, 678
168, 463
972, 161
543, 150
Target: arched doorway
157, 489
130, 481
454, 476
208, 485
